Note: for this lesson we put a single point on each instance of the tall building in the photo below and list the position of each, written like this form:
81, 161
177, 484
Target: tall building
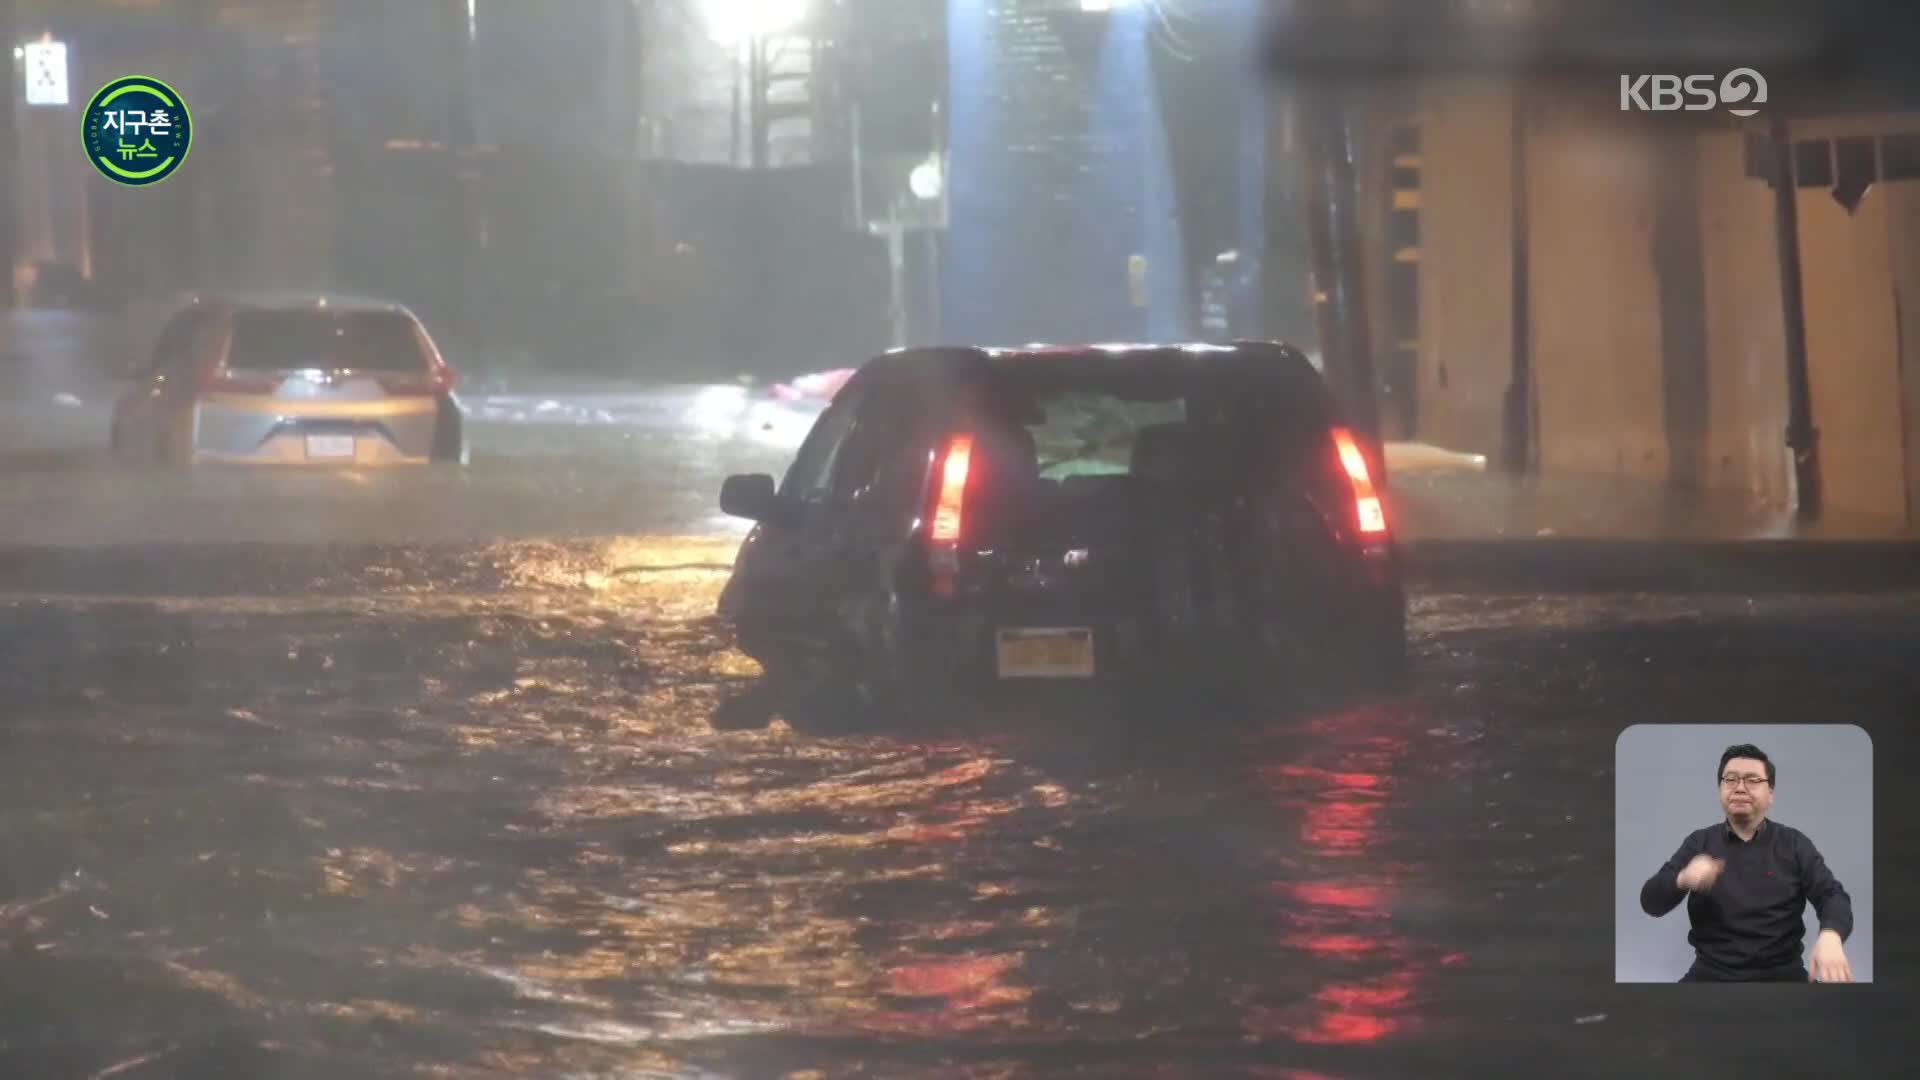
1066, 217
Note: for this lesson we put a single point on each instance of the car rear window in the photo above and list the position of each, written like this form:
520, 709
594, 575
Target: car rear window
1089, 423
296, 340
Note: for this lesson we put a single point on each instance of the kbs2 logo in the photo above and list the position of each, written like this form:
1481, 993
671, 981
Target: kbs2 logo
1739, 91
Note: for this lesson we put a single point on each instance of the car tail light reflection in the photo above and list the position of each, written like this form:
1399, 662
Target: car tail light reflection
1372, 514
947, 516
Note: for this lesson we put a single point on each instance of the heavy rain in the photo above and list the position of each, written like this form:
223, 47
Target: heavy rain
385, 691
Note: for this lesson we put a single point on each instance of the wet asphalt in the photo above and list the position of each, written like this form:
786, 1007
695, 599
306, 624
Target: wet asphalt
317, 776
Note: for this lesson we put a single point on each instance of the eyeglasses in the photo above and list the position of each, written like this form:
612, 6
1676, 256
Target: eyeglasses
1732, 781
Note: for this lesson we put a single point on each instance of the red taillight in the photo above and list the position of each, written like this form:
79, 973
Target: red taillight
438, 382
1373, 515
232, 382
949, 501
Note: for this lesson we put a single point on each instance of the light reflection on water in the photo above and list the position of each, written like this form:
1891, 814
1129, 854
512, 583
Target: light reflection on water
1339, 918
541, 855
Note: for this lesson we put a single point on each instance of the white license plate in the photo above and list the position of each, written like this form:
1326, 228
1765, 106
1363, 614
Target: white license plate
329, 446
1065, 653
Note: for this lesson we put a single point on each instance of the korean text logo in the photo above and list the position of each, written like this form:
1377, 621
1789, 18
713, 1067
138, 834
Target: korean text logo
137, 131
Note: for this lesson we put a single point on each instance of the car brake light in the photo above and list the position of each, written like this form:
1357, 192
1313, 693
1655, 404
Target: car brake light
948, 504
1373, 515
953, 489
230, 382
439, 381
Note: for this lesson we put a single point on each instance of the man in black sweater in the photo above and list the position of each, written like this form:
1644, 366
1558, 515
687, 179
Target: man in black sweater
1746, 882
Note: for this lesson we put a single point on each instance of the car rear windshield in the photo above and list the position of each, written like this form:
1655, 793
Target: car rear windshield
1089, 422
298, 340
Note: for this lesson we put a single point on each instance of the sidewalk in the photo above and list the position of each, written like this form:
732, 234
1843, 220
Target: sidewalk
1464, 528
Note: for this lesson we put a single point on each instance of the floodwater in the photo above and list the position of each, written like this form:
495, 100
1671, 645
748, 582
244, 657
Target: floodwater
462, 814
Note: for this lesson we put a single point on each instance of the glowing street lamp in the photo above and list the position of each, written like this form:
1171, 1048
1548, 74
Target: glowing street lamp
925, 181
733, 21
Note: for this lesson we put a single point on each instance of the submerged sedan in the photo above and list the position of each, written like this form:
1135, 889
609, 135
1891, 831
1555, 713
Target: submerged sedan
295, 379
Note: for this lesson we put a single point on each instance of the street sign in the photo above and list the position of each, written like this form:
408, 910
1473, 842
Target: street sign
46, 64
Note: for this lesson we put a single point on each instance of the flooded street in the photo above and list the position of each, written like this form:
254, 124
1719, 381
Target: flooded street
413, 774
465, 815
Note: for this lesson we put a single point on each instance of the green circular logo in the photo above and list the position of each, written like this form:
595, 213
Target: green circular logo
137, 131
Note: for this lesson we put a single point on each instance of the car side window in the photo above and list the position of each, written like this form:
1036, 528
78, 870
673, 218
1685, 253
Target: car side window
811, 476
880, 435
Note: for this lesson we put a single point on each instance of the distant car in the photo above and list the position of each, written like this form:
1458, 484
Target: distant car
297, 379
964, 521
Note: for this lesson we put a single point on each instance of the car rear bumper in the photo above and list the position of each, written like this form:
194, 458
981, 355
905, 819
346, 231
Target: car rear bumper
958, 649
239, 430
961, 650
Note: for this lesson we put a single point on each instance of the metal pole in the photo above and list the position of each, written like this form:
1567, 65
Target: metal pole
943, 217
9, 156
739, 74
1332, 191
931, 238
1517, 412
757, 99
897, 273
1314, 201
462, 140
1350, 269
858, 168
1803, 439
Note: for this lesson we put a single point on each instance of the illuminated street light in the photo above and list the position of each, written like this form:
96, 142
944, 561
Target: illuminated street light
733, 21
1107, 5
925, 181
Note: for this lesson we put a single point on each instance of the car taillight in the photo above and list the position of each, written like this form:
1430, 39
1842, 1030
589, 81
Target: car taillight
949, 501
222, 381
439, 381
1366, 500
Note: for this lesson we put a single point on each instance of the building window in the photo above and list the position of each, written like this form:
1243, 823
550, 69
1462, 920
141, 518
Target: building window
1813, 163
1855, 165
1900, 156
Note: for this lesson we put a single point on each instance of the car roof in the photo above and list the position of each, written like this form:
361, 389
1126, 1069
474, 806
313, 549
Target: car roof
293, 300
955, 361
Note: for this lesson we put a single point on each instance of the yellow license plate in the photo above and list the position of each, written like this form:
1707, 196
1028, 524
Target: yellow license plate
1046, 654
329, 447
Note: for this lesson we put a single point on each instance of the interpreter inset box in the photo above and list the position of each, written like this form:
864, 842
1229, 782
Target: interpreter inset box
1743, 853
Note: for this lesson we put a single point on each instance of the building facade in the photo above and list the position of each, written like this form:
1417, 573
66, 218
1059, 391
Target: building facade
1065, 221
1653, 305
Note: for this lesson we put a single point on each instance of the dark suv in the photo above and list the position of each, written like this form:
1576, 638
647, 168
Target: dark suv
969, 521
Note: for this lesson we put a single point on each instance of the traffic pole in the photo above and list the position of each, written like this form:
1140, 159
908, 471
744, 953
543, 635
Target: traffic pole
463, 165
759, 112
1516, 442
1330, 140
1803, 439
